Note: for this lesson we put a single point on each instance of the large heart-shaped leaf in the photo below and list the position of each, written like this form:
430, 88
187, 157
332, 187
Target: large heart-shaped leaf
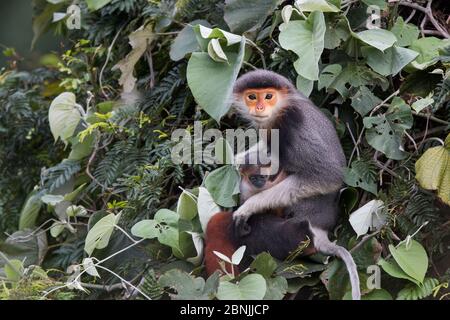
306, 39
244, 15
64, 116
433, 170
212, 82
385, 132
30, 211
428, 49
363, 101
251, 287
406, 33
223, 185
206, 207
389, 62
186, 41
377, 38
412, 258
187, 205
313, 5
98, 237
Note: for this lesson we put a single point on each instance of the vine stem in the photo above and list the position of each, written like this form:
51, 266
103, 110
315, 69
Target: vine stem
107, 60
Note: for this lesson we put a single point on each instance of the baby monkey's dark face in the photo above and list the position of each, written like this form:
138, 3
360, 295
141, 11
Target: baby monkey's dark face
255, 179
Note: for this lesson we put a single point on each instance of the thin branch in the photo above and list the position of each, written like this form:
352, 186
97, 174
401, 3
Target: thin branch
106, 61
429, 13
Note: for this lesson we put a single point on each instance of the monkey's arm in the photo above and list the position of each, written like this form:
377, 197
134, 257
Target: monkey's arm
281, 195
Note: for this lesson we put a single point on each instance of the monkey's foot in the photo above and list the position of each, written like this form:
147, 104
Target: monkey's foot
240, 221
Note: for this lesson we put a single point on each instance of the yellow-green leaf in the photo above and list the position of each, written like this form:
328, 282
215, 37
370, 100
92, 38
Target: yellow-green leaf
433, 170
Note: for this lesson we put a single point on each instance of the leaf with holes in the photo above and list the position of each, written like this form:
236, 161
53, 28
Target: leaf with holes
361, 175
385, 132
363, 101
406, 33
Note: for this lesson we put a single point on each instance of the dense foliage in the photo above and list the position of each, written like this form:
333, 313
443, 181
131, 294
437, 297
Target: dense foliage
104, 212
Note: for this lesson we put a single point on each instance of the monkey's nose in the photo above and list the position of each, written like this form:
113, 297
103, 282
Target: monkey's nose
259, 107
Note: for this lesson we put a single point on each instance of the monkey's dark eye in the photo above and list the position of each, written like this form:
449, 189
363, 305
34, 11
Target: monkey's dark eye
269, 96
252, 96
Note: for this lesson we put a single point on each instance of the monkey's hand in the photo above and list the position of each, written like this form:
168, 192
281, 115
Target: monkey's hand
240, 221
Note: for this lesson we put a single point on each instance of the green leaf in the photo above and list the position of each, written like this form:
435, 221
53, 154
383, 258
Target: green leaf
412, 258
56, 229
94, 5
52, 199
42, 22
276, 288
98, 237
216, 33
306, 39
389, 62
416, 292
25, 245
212, 83
360, 175
304, 85
356, 75
215, 51
223, 185
377, 38
81, 150
251, 287
369, 216
14, 270
147, 229
243, 15
188, 287
433, 170
30, 211
337, 30
264, 264
316, 5
421, 104
328, 75
385, 132
186, 41
428, 49
405, 33
64, 116
364, 100
206, 207
379, 3
187, 206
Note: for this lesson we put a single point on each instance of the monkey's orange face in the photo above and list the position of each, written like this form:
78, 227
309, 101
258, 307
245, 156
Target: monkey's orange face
261, 102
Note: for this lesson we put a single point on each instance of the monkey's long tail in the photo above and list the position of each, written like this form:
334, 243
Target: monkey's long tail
324, 245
